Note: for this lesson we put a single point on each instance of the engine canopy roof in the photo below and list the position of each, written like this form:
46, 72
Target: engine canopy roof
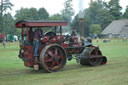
24, 23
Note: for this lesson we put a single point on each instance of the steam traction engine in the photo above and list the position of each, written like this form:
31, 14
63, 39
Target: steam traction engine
55, 48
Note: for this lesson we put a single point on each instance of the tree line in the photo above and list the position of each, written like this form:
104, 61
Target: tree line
97, 16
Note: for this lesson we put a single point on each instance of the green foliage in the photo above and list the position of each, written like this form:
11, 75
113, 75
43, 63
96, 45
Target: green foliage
93, 15
5, 4
22, 14
43, 14
114, 8
56, 17
75, 23
104, 18
68, 12
31, 14
125, 15
95, 29
94, 11
8, 24
99, 12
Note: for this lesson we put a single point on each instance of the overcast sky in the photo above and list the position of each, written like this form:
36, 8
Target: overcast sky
52, 6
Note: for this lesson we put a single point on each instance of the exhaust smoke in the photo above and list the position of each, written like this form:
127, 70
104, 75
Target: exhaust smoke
81, 5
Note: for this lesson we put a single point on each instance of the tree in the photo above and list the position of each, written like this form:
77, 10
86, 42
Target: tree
114, 8
104, 18
33, 14
22, 14
97, 13
125, 15
68, 12
95, 29
43, 14
94, 11
75, 23
5, 4
8, 24
56, 17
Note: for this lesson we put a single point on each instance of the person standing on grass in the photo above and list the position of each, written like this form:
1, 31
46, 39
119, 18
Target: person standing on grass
4, 43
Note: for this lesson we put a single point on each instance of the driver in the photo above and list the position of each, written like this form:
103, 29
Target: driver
37, 37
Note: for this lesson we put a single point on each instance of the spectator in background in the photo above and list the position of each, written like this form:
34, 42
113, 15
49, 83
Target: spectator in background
97, 39
124, 38
74, 33
4, 43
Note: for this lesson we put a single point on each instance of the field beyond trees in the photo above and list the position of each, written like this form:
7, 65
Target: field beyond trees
115, 72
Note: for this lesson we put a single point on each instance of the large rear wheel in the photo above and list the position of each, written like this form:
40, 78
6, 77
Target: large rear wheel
53, 58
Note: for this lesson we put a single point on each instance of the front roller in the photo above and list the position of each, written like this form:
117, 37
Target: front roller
53, 58
92, 56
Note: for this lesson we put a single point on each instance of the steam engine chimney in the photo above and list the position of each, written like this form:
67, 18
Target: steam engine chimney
81, 23
81, 18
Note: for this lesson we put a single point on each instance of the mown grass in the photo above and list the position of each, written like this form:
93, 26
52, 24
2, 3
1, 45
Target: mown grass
115, 72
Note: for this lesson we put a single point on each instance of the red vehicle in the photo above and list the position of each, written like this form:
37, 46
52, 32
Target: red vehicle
55, 49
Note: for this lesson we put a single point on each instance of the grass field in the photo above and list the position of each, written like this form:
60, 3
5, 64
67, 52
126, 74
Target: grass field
115, 72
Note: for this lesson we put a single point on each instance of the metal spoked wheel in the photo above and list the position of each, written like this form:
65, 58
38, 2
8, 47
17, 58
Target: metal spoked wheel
53, 58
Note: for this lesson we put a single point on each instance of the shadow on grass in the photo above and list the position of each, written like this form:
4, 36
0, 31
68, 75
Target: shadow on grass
30, 71
67, 68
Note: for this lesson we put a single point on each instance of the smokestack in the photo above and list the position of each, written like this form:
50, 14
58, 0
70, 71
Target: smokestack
81, 18
81, 23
